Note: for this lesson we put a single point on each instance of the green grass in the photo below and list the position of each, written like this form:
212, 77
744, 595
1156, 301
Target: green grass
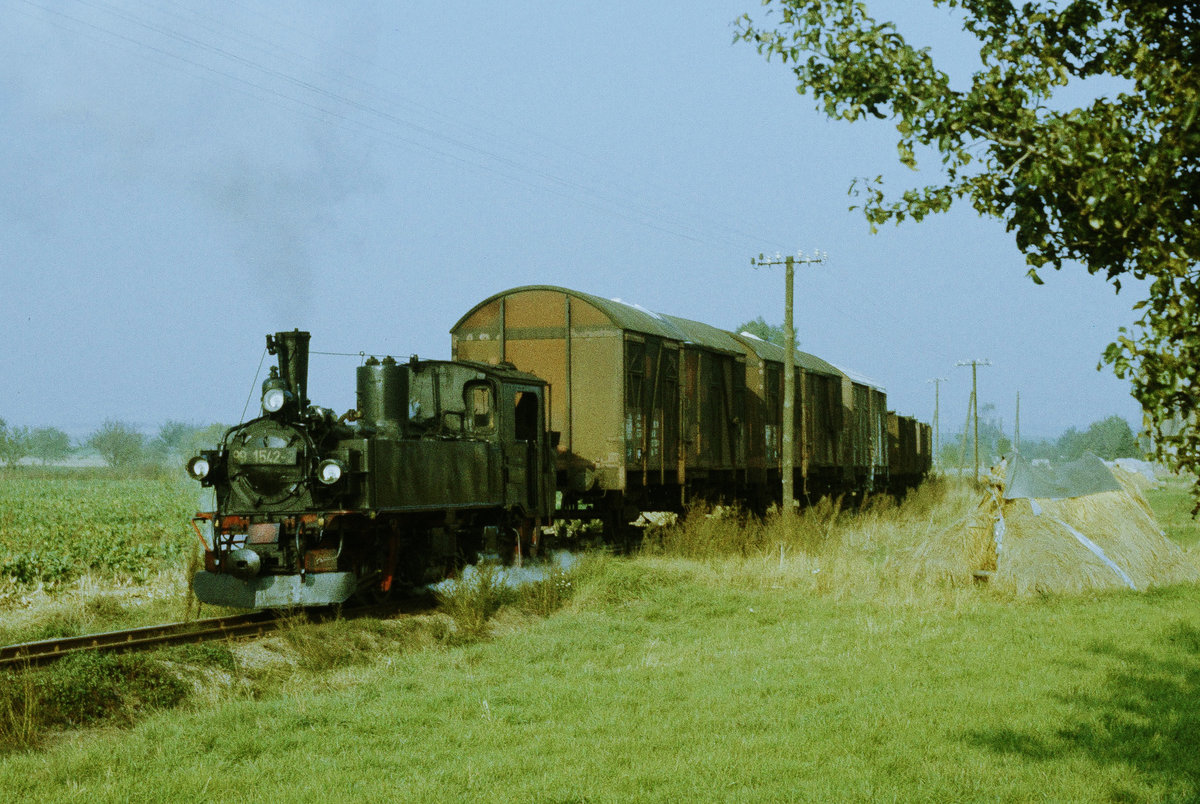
83, 689
1172, 503
716, 667
473, 600
675, 690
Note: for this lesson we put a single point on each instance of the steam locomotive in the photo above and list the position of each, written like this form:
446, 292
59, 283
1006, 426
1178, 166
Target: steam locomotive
557, 403
439, 463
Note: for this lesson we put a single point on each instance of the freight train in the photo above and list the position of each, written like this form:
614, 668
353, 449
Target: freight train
555, 403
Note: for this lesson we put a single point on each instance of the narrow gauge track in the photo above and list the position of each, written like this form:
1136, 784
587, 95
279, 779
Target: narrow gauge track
251, 624
150, 636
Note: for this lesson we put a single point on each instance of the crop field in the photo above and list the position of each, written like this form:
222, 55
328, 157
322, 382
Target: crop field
56, 526
731, 661
63, 531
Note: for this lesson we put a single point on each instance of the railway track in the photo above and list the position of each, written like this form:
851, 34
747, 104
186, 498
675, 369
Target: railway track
151, 636
255, 623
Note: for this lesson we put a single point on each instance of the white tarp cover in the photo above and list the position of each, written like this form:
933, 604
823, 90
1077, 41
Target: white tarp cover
1088, 475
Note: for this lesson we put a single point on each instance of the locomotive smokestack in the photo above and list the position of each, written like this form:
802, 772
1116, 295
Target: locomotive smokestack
292, 348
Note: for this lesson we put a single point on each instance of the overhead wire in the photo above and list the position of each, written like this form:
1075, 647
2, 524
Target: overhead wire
333, 104
607, 169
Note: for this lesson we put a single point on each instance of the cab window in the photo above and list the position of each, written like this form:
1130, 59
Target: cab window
480, 408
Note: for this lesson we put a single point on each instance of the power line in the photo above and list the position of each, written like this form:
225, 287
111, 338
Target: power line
334, 108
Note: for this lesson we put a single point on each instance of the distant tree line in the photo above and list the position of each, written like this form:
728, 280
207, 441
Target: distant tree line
1109, 438
122, 445
117, 443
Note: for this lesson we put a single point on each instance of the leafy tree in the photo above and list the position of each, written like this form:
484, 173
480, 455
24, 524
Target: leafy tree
1003, 446
178, 440
14, 443
171, 441
1071, 445
204, 438
759, 328
1109, 438
1112, 183
49, 444
1032, 448
119, 444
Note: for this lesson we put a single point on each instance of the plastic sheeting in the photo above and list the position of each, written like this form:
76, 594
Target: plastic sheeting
1088, 475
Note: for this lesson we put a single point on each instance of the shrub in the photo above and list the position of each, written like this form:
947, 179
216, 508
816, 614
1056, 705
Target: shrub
547, 594
472, 599
326, 646
92, 687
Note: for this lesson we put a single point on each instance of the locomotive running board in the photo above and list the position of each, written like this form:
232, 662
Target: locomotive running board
273, 591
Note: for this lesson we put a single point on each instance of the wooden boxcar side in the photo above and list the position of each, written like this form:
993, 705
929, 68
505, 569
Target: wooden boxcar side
664, 396
910, 452
649, 406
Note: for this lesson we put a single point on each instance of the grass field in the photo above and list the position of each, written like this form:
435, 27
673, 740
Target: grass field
703, 670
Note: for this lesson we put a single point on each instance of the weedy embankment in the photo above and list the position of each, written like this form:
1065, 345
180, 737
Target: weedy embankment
870, 553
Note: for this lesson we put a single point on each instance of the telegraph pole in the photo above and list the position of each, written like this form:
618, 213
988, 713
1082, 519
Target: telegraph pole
937, 420
789, 368
1017, 429
974, 411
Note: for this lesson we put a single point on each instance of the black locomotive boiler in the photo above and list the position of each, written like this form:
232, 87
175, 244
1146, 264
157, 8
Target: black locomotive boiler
439, 464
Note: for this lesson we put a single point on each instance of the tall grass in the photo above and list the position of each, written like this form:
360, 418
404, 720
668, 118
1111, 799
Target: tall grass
484, 590
868, 552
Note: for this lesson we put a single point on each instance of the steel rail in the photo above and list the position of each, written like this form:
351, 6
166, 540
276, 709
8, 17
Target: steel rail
255, 623
48, 650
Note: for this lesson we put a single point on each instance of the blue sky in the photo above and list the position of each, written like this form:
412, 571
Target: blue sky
182, 178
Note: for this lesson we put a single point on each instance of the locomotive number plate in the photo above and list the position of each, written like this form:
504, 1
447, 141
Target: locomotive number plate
266, 456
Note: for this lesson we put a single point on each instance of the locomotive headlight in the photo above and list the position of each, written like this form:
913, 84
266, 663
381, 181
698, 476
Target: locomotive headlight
330, 471
199, 467
274, 399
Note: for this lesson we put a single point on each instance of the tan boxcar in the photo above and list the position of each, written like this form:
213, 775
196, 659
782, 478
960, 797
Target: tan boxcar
822, 436
864, 459
910, 452
644, 403
650, 405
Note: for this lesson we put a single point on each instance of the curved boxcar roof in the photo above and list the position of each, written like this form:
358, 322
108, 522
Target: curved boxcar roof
862, 379
707, 335
765, 350
631, 318
635, 318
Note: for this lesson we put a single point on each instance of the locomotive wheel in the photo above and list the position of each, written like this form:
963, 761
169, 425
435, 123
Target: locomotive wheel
370, 589
376, 571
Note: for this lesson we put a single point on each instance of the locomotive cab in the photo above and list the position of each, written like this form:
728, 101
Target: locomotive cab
439, 463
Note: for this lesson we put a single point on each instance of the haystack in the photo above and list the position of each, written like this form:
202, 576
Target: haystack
1079, 527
